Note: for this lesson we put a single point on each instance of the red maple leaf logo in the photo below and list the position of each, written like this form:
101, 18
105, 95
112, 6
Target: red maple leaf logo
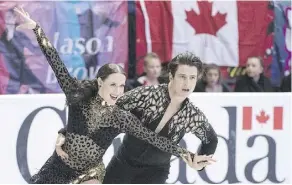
205, 22
262, 118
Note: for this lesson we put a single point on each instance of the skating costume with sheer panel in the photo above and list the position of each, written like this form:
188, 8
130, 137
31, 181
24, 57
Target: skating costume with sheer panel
147, 164
149, 104
92, 126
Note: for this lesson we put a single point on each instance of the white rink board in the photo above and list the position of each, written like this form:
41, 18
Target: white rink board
24, 144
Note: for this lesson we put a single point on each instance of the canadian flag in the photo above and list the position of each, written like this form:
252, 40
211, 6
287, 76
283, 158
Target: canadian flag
264, 116
220, 32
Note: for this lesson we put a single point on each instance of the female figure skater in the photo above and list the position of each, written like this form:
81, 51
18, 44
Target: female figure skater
167, 110
92, 123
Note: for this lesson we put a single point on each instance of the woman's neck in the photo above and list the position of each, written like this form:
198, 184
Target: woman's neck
10, 31
211, 86
214, 88
256, 78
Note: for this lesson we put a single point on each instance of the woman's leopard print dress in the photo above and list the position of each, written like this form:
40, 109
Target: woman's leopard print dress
92, 126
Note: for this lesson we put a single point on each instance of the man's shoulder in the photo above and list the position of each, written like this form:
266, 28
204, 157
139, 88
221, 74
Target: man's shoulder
152, 88
192, 108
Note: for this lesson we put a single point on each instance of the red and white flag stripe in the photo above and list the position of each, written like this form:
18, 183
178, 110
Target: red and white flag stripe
220, 32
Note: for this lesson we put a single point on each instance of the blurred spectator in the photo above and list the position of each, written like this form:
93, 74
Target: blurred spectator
152, 71
286, 84
211, 80
254, 80
164, 76
21, 79
152, 68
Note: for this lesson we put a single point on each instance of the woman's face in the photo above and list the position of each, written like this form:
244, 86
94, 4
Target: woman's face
153, 68
112, 87
10, 18
253, 67
212, 77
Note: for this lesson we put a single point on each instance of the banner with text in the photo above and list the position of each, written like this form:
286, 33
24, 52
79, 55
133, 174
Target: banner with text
253, 130
282, 41
87, 35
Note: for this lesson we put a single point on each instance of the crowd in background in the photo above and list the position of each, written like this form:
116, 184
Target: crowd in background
211, 80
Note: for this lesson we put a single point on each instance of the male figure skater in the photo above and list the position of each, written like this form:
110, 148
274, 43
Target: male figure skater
165, 109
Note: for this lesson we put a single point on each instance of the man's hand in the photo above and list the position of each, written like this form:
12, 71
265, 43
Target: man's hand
198, 162
59, 150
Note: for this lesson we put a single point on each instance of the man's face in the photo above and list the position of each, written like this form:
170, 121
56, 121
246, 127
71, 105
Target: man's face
184, 80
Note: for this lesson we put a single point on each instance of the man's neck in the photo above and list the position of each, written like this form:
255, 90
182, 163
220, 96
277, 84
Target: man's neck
173, 97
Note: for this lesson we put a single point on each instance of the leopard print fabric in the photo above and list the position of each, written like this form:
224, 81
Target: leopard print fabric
94, 173
92, 126
150, 103
86, 151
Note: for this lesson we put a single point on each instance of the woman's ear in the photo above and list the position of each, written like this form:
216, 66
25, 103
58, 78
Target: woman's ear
99, 82
170, 76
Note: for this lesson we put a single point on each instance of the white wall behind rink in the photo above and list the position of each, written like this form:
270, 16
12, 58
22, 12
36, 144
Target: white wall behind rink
261, 154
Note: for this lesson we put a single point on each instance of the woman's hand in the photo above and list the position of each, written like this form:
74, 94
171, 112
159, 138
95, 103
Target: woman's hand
27, 22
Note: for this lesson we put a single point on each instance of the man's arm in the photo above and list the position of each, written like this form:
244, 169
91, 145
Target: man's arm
133, 98
201, 127
129, 101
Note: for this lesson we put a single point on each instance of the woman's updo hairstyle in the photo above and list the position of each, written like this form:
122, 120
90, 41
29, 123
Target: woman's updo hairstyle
89, 88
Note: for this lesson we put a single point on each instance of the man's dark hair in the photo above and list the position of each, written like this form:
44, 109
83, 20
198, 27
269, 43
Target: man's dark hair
186, 58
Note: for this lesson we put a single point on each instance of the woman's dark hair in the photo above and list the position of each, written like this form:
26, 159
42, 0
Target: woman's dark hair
3, 21
209, 67
89, 88
186, 58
